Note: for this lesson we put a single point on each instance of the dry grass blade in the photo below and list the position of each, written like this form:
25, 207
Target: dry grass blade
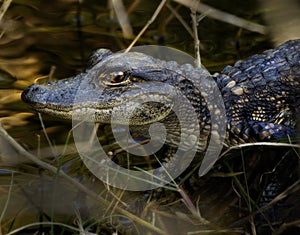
133, 6
46, 135
285, 226
123, 18
240, 146
16, 231
4, 7
81, 187
222, 16
291, 189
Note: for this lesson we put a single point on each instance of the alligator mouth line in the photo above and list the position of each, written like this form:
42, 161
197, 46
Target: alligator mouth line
82, 114
93, 112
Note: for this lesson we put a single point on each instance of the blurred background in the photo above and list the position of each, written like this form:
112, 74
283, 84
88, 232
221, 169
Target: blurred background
41, 39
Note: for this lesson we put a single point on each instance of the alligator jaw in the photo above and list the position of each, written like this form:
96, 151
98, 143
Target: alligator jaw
73, 99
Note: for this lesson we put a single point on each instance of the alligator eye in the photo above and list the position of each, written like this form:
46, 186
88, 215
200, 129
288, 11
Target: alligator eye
118, 79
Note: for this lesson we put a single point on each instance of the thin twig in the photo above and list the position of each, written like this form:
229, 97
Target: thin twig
223, 16
158, 9
51, 73
196, 38
180, 19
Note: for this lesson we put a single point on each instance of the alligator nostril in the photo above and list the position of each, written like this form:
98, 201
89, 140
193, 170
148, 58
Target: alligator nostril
34, 89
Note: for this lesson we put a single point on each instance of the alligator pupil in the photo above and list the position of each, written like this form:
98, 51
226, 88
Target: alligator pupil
118, 77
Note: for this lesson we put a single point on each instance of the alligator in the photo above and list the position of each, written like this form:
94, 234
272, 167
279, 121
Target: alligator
261, 99
261, 94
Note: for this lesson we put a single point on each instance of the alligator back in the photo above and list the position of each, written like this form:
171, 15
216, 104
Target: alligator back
262, 94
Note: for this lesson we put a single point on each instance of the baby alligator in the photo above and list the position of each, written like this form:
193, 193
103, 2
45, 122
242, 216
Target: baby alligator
261, 94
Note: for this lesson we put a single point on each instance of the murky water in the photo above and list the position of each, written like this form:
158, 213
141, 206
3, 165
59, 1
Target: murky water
42, 39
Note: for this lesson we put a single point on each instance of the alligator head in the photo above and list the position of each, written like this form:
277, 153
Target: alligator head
132, 85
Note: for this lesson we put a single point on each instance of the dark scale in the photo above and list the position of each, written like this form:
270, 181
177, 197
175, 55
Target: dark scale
270, 85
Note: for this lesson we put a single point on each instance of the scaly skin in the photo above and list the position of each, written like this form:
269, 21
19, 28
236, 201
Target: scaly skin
261, 94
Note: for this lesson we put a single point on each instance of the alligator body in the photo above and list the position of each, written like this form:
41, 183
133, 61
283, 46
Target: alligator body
261, 94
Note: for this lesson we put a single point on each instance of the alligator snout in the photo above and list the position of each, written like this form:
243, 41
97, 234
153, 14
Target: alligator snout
41, 95
32, 94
